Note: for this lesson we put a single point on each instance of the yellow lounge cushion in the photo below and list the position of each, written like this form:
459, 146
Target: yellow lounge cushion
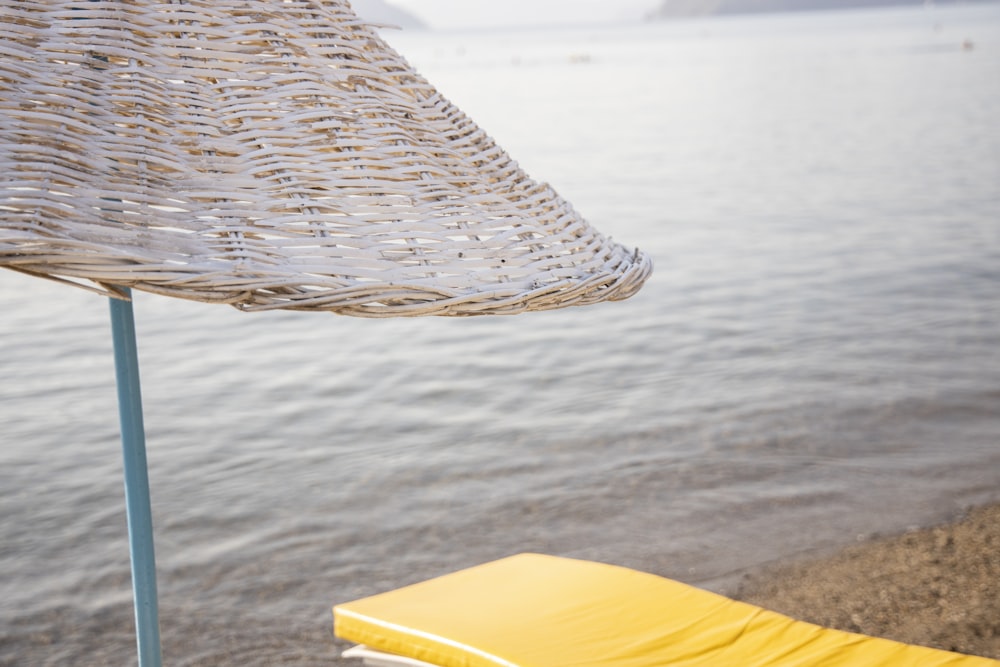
532, 610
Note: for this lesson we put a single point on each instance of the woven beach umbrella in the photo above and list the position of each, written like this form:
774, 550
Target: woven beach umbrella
264, 154
269, 155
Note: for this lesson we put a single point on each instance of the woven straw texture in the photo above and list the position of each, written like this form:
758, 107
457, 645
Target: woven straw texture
269, 155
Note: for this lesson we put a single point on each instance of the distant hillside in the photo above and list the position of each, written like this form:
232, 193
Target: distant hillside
379, 11
682, 8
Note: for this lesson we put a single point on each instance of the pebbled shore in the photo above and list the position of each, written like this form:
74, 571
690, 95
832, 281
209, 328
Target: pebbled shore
937, 587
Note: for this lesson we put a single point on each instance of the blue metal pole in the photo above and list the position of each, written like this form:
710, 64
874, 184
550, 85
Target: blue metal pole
137, 505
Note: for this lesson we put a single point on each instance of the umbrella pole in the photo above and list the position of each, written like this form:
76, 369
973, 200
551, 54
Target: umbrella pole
137, 505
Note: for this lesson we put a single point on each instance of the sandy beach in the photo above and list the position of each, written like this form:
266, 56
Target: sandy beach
937, 587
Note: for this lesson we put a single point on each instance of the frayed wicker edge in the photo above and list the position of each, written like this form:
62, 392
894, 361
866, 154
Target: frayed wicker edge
379, 300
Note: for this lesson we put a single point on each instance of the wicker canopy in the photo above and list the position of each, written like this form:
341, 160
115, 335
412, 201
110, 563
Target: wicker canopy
269, 154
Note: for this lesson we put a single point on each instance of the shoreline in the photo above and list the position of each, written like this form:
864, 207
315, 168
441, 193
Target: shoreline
937, 587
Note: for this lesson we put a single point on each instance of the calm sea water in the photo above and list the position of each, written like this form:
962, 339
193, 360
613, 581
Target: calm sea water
816, 360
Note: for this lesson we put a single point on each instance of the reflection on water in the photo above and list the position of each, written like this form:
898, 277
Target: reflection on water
817, 356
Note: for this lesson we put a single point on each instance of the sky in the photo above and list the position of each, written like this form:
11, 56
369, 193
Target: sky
456, 14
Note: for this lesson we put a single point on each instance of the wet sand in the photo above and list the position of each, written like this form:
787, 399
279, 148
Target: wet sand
937, 587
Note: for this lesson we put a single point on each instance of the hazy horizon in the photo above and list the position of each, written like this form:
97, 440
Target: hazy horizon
471, 14
449, 15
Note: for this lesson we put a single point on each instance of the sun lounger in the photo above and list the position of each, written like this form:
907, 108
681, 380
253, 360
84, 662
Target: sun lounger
532, 610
